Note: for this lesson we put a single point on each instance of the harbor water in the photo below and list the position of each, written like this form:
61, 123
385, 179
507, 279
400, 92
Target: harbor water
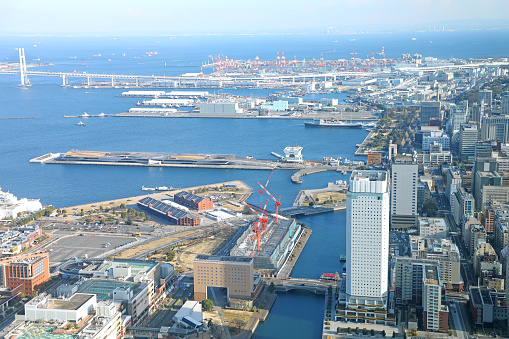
295, 314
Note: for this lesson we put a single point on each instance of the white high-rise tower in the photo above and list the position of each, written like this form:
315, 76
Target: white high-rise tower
367, 239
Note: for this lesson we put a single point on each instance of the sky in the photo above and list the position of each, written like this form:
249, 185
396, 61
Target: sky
237, 16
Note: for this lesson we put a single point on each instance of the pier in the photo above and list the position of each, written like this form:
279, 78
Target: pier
76, 157
317, 169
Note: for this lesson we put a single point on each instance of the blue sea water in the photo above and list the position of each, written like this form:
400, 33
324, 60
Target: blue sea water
67, 185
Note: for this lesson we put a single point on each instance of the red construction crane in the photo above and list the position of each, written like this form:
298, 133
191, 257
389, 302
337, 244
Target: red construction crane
283, 59
278, 202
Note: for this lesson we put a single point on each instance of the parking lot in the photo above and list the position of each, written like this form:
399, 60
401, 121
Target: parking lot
79, 246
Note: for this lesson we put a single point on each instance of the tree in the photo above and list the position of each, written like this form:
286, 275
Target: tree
207, 305
272, 287
129, 221
147, 218
364, 331
349, 330
430, 207
338, 330
170, 256
383, 333
372, 332
356, 330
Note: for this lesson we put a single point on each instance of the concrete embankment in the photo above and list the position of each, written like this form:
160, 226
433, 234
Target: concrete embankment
360, 150
296, 177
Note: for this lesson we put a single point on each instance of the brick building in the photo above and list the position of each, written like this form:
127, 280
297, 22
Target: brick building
29, 271
193, 201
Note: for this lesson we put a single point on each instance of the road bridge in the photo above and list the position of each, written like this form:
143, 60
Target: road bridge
178, 81
313, 285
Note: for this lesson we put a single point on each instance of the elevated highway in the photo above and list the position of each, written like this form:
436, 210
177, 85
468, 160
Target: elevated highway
225, 80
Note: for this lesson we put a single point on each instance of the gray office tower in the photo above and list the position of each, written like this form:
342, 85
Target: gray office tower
429, 109
404, 195
485, 95
495, 128
505, 103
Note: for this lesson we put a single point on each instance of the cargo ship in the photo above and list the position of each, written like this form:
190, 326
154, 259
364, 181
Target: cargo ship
331, 124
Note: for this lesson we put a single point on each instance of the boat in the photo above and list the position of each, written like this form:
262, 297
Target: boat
81, 123
151, 53
85, 115
143, 188
163, 188
102, 114
342, 258
331, 124
330, 276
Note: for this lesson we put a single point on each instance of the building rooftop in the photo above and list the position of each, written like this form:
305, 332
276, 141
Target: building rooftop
371, 175
103, 289
165, 208
74, 303
204, 257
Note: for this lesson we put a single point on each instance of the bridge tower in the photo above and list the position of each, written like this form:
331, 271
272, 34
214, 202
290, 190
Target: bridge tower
23, 68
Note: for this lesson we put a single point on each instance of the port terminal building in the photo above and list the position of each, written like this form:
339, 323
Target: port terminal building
276, 244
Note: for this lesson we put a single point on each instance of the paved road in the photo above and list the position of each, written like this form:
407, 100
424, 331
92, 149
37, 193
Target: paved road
458, 320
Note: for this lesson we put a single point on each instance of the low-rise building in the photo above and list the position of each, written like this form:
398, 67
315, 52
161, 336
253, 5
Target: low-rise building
193, 201
169, 212
433, 227
189, 315
487, 305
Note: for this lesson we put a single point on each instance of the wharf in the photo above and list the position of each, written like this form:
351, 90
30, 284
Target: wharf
88, 116
304, 210
317, 169
14, 118
284, 116
191, 160
287, 268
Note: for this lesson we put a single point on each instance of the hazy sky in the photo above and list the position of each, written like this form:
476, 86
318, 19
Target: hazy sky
239, 16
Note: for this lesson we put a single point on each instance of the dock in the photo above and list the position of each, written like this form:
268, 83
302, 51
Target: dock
317, 169
295, 211
191, 160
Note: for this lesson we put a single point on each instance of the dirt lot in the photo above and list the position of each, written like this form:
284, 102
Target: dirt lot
159, 242
235, 320
208, 246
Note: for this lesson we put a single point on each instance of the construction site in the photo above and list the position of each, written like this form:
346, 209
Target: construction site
269, 238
